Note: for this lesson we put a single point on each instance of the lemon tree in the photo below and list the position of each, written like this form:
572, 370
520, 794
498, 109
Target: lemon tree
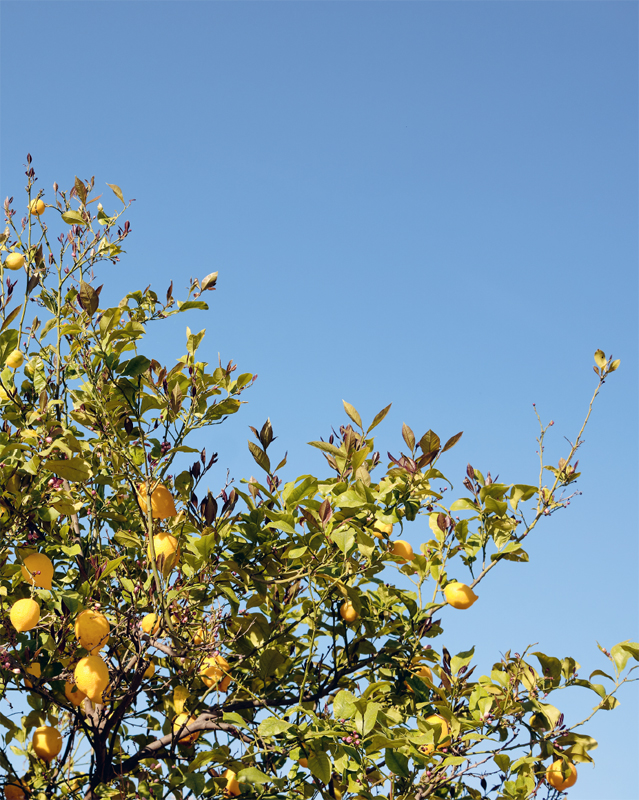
273, 638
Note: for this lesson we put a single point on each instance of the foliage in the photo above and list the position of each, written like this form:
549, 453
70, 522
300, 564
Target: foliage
243, 642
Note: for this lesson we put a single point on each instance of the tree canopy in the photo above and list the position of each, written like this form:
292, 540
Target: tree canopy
274, 638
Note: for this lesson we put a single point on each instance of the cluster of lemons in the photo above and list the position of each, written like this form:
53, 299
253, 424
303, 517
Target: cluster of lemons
458, 595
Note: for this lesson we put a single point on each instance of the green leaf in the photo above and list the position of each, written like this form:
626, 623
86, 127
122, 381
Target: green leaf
379, 417
327, 448
189, 304
600, 359
429, 442
370, 717
344, 704
136, 366
352, 413
260, 457
117, 192
344, 538
397, 762
502, 761
464, 504
111, 567
73, 218
272, 726
320, 766
252, 775
621, 652
520, 493
8, 343
72, 469
193, 340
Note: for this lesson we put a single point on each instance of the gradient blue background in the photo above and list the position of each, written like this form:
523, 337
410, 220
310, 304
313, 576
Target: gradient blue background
433, 204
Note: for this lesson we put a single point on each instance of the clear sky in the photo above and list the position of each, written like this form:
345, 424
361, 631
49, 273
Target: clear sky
429, 203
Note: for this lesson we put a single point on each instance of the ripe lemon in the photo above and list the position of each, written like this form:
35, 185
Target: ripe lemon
403, 550
303, 762
33, 669
199, 636
73, 694
214, 672
183, 719
14, 359
92, 631
92, 677
14, 261
458, 595
442, 738
47, 742
162, 505
167, 552
15, 791
38, 570
150, 624
24, 614
232, 786
555, 777
381, 529
347, 611
149, 672
36, 207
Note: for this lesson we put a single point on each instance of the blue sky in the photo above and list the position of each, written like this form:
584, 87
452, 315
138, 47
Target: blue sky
433, 204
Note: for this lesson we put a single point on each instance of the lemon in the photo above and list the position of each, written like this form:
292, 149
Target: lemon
214, 672
14, 261
47, 742
150, 624
15, 791
303, 762
36, 207
149, 672
347, 611
92, 677
24, 614
14, 359
381, 529
232, 786
184, 719
402, 550
555, 776
167, 552
458, 595
199, 636
33, 669
38, 570
92, 631
442, 738
162, 505
73, 694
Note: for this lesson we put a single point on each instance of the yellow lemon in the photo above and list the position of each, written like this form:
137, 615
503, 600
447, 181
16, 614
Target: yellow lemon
555, 775
36, 207
92, 677
214, 672
150, 624
199, 636
184, 719
14, 261
381, 529
47, 742
167, 552
347, 611
73, 694
14, 359
232, 786
442, 738
458, 595
16, 791
33, 669
303, 762
162, 505
149, 672
92, 631
24, 614
402, 550
38, 570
